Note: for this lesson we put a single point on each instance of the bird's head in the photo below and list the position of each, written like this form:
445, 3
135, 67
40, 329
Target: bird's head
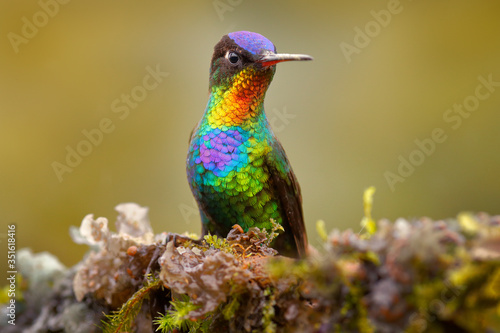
246, 61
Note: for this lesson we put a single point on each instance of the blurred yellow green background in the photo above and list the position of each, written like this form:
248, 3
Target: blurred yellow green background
345, 119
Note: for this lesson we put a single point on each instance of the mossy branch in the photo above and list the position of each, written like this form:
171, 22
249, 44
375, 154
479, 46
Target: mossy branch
407, 276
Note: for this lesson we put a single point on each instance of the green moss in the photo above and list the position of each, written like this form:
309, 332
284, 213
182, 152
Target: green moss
231, 307
268, 326
123, 319
218, 243
178, 318
367, 223
321, 230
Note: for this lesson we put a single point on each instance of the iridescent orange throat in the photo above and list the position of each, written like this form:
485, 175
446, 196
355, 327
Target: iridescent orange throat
241, 101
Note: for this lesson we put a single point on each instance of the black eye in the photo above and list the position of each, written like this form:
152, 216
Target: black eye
233, 57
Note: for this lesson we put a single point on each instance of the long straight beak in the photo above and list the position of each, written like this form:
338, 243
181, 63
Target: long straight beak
270, 59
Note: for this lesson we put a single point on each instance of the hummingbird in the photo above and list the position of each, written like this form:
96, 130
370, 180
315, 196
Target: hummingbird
236, 167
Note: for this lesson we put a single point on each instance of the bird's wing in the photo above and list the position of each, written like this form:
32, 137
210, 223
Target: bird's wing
288, 190
193, 131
